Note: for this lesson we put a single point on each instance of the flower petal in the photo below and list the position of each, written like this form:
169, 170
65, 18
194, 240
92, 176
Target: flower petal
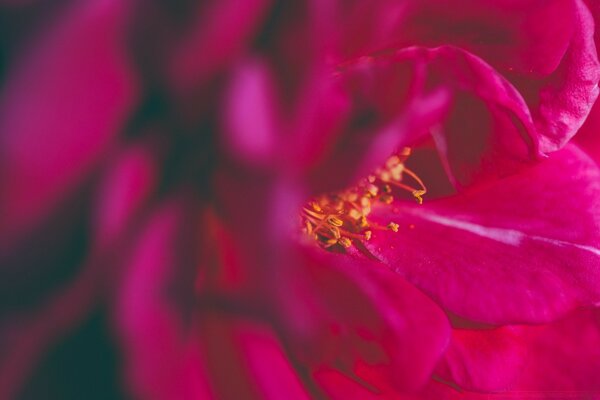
63, 103
160, 364
219, 33
362, 320
561, 357
524, 249
126, 187
246, 360
546, 49
588, 136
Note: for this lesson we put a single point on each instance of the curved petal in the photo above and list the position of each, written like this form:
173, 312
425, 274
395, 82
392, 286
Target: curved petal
214, 354
363, 321
588, 136
64, 101
246, 360
160, 363
561, 357
479, 122
565, 100
523, 249
545, 48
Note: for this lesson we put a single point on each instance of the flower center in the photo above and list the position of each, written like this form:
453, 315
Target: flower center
341, 219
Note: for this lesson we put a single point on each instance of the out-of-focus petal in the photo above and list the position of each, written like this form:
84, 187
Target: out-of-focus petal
523, 249
250, 118
126, 187
212, 353
561, 357
245, 360
64, 101
161, 363
218, 34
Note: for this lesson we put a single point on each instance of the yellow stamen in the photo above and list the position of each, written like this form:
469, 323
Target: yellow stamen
342, 218
392, 226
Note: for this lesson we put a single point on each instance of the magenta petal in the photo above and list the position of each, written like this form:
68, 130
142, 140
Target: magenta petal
218, 34
126, 188
363, 321
489, 131
208, 354
567, 99
64, 101
250, 123
386, 106
588, 136
245, 360
561, 357
338, 386
523, 249
544, 48
160, 363
480, 123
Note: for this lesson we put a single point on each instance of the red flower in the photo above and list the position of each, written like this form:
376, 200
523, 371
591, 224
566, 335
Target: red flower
188, 144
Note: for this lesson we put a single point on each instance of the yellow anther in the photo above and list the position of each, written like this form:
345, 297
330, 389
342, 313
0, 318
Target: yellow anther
341, 219
392, 161
330, 242
363, 223
336, 232
335, 221
418, 195
386, 199
344, 241
315, 206
308, 227
354, 214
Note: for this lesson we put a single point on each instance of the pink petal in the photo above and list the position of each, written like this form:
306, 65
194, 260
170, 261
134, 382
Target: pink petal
588, 136
546, 49
480, 123
385, 106
567, 99
341, 387
209, 354
125, 189
523, 249
250, 120
363, 321
220, 32
64, 101
247, 361
365, 27
437, 390
561, 357
160, 363
489, 131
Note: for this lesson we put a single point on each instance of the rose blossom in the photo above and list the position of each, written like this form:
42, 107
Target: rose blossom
183, 144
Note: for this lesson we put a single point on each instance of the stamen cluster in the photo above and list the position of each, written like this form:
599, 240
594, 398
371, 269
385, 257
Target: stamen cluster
341, 219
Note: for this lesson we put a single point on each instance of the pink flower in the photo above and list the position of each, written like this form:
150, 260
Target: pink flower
179, 167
